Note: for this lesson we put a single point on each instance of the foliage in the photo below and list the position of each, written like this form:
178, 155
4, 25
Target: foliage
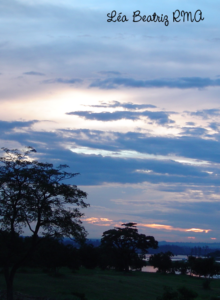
124, 247
89, 256
181, 266
203, 266
162, 261
182, 293
33, 195
52, 254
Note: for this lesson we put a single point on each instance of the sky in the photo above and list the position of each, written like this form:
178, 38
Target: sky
132, 106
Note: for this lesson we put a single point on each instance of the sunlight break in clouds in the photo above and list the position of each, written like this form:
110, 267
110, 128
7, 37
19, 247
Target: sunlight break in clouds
136, 155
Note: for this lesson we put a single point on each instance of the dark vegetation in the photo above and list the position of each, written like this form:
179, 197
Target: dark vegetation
62, 271
124, 248
197, 266
182, 293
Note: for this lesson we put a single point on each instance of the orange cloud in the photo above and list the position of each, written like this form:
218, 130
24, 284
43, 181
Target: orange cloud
108, 222
213, 238
191, 237
98, 221
199, 230
168, 227
91, 220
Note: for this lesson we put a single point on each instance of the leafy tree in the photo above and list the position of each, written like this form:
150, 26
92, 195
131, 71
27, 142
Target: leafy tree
162, 261
203, 266
124, 247
33, 195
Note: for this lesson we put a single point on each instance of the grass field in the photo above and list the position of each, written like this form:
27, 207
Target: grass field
106, 285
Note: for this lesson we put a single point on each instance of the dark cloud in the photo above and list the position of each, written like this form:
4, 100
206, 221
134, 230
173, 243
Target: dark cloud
214, 125
195, 131
180, 83
128, 105
205, 113
34, 73
159, 117
96, 169
62, 80
4, 125
184, 146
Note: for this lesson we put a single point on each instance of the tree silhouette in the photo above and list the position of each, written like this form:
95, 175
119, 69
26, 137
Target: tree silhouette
33, 195
162, 261
124, 247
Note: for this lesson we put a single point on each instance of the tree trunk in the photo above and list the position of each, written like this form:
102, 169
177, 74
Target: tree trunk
9, 295
9, 278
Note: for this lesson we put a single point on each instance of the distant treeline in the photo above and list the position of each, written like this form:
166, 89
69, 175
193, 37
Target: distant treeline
175, 249
52, 254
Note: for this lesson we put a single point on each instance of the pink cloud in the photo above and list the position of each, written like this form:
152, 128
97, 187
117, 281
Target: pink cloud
171, 228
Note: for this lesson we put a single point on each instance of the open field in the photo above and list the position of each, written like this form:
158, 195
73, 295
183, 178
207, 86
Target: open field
106, 285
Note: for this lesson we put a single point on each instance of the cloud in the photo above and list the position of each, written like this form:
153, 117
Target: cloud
214, 125
198, 230
62, 80
205, 113
98, 167
102, 222
99, 221
179, 83
4, 125
159, 117
185, 146
128, 105
171, 228
194, 131
34, 73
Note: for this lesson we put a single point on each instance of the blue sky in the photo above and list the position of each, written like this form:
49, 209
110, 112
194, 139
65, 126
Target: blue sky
134, 107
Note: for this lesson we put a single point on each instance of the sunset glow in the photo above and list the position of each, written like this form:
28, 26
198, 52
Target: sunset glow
168, 227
